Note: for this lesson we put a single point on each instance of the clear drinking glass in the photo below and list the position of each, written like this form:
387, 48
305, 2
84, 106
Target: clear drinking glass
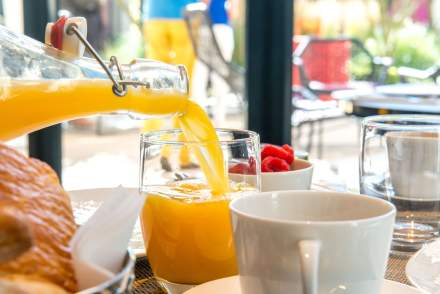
400, 162
186, 230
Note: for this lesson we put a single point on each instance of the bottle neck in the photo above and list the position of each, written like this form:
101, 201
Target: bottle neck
153, 75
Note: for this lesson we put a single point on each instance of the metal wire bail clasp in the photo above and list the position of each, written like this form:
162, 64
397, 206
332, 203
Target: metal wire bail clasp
119, 87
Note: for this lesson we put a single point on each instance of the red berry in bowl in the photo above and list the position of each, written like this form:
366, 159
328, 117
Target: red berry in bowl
289, 149
274, 164
278, 152
252, 166
239, 168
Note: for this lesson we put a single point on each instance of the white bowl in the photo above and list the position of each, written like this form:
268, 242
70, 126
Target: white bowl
300, 178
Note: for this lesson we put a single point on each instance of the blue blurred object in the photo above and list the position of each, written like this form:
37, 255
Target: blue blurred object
164, 9
217, 11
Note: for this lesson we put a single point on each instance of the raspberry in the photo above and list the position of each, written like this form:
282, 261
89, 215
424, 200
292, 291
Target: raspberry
252, 166
265, 166
243, 168
287, 148
290, 150
239, 168
276, 151
274, 164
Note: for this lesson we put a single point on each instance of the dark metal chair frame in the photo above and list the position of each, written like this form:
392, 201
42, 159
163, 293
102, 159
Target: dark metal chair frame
306, 90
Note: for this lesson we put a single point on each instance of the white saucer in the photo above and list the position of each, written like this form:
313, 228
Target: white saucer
231, 285
85, 203
423, 268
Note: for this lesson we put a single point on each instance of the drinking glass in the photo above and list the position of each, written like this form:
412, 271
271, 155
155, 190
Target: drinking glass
186, 230
400, 162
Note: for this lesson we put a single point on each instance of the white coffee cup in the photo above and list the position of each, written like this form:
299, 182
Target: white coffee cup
311, 242
414, 162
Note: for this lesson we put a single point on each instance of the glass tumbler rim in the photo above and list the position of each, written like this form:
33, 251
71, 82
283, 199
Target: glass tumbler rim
156, 137
383, 122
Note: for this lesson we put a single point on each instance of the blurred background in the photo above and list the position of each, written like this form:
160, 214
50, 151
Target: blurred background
338, 46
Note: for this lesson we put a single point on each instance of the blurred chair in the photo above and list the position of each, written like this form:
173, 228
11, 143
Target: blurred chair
407, 73
207, 49
322, 66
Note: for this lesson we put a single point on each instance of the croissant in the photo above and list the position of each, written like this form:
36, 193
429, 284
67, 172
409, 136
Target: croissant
15, 233
31, 188
19, 284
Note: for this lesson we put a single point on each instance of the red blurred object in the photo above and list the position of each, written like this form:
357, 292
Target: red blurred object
56, 35
274, 164
244, 168
289, 149
239, 168
325, 62
252, 165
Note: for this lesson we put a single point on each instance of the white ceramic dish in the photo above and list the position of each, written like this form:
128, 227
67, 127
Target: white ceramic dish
231, 285
423, 268
85, 202
300, 178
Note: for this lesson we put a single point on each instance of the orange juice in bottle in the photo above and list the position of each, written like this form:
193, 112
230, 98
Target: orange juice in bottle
41, 86
27, 105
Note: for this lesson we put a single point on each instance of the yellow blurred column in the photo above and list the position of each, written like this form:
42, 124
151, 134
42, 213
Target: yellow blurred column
168, 41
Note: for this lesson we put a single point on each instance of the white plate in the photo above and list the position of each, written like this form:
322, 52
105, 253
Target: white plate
231, 285
423, 268
85, 203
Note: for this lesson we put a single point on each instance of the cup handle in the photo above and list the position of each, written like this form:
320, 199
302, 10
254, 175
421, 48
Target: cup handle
309, 258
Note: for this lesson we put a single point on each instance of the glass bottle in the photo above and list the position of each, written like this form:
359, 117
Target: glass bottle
41, 86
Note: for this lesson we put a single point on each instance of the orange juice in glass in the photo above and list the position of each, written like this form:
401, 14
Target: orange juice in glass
185, 224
